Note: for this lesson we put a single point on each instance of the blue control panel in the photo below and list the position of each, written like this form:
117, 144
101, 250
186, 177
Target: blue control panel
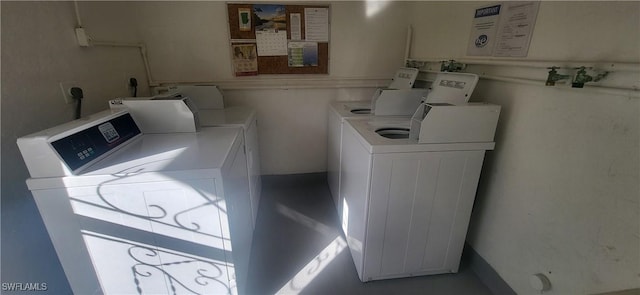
87, 145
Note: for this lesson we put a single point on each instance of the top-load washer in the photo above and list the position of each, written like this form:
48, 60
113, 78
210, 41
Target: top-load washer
338, 112
132, 213
408, 184
446, 88
399, 99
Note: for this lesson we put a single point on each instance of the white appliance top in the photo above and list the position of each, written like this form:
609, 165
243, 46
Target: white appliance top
163, 115
206, 149
365, 131
204, 96
236, 116
153, 157
454, 88
344, 108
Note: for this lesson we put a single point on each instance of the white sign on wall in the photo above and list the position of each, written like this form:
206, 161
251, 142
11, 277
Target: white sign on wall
516, 26
483, 32
503, 29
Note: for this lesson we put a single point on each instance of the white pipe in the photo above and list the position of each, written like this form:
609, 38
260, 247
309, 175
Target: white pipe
78, 20
407, 48
145, 59
627, 92
143, 52
141, 46
624, 91
288, 83
115, 44
601, 65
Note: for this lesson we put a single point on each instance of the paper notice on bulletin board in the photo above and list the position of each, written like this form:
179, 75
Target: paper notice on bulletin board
271, 43
303, 54
245, 61
244, 19
296, 27
316, 24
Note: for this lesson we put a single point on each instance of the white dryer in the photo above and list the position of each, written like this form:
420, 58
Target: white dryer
407, 204
132, 213
211, 112
245, 118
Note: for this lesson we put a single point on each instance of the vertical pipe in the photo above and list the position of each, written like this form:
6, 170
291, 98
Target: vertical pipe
145, 59
78, 19
407, 49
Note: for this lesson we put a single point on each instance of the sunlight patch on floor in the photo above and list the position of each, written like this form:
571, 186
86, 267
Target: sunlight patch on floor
314, 267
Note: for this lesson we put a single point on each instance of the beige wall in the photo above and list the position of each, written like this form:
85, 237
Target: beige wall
38, 52
190, 42
559, 195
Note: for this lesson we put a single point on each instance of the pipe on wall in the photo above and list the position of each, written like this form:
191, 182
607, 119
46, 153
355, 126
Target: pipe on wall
143, 53
620, 91
610, 66
140, 46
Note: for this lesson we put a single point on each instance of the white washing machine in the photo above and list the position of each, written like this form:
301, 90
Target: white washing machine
398, 99
133, 213
446, 88
338, 112
407, 204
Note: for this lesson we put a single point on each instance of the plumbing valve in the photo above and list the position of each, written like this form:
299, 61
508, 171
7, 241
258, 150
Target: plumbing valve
582, 77
416, 64
554, 77
451, 66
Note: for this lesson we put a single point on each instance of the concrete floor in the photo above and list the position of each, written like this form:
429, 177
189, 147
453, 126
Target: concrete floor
298, 247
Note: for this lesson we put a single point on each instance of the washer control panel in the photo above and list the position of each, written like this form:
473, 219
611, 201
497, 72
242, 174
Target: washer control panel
79, 149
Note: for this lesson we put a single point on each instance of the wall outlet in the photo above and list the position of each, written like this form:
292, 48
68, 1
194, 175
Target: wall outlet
65, 87
126, 76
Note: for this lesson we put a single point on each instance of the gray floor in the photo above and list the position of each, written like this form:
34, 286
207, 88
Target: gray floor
298, 248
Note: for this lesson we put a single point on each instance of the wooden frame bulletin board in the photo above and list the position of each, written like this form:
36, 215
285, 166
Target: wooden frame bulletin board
243, 32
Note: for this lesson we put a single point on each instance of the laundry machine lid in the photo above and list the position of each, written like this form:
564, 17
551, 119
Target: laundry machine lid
404, 78
454, 88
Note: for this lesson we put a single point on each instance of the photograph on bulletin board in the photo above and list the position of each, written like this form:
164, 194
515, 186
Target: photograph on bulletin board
270, 17
245, 59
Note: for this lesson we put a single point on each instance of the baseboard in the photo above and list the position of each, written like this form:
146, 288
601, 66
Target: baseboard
277, 178
487, 275
623, 292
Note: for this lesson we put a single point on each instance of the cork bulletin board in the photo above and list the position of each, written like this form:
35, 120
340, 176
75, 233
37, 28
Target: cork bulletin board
260, 46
